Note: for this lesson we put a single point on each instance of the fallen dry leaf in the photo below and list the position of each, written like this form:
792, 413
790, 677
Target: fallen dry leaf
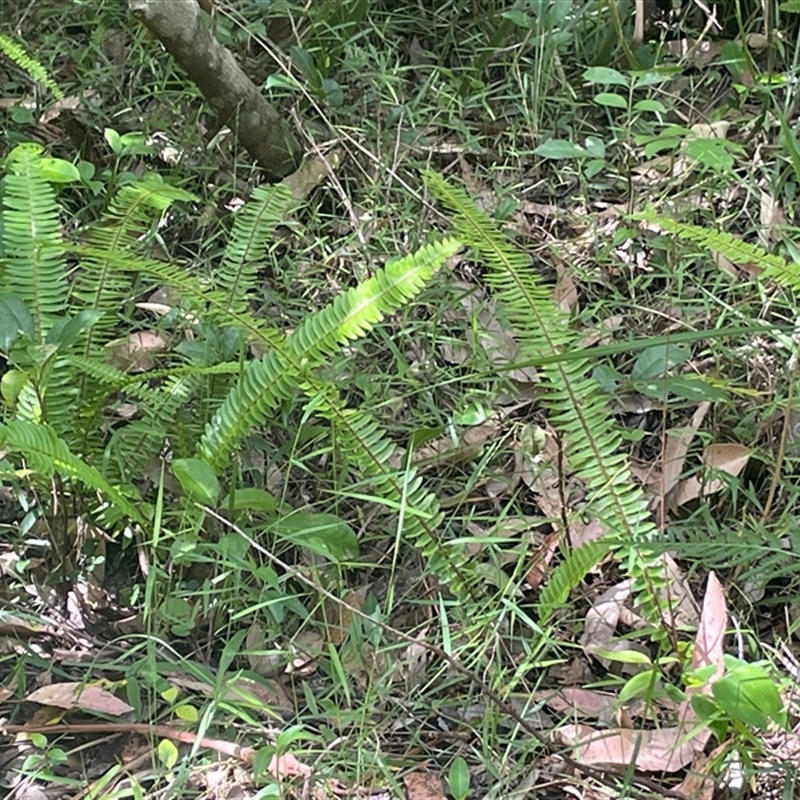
581, 533
602, 618
424, 786
565, 295
14, 625
478, 313
541, 558
80, 695
468, 445
662, 750
287, 766
263, 660
700, 782
708, 646
773, 220
728, 458
135, 354
680, 600
708, 650
677, 445
581, 703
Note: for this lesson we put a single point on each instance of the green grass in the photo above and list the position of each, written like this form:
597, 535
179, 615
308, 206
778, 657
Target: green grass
370, 706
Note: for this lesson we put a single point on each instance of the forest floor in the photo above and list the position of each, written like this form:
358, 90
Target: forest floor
248, 666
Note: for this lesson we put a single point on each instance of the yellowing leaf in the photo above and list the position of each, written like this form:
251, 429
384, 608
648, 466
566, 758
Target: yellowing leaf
167, 753
186, 712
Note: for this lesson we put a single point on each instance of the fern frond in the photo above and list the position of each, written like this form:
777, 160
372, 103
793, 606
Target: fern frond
29, 64
46, 454
591, 438
277, 376
167, 416
253, 228
569, 573
362, 442
33, 268
190, 287
731, 247
106, 284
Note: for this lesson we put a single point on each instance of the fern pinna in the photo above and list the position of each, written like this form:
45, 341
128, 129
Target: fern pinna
592, 440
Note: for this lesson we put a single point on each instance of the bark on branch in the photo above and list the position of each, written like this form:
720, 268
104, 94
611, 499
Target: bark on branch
180, 27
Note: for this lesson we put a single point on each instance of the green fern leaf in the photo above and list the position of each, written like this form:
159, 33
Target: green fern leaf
277, 376
30, 65
580, 411
34, 267
47, 454
568, 574
731, 247
363, 443
104, 284
253, 229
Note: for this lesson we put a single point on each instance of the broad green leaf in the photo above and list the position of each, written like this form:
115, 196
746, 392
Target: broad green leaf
324, 534
594, 167
705, 708
114, 140
606, 76
252, 498
304, 61
643, 79
713, 153
595, 147
288, 736
559, 149
640, 685
279, 81
610, 99
686, 387
11, 384
734, 58
261, 762
607, 377
170, 694
57, 170
173, 609
458, 778
655, 361
135, 143
167, 753
656, 146
656, 106
622, 656
521, 19
197, 479
186, 712
748, 694
334, 94
14, 319
421, 436
66, 331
